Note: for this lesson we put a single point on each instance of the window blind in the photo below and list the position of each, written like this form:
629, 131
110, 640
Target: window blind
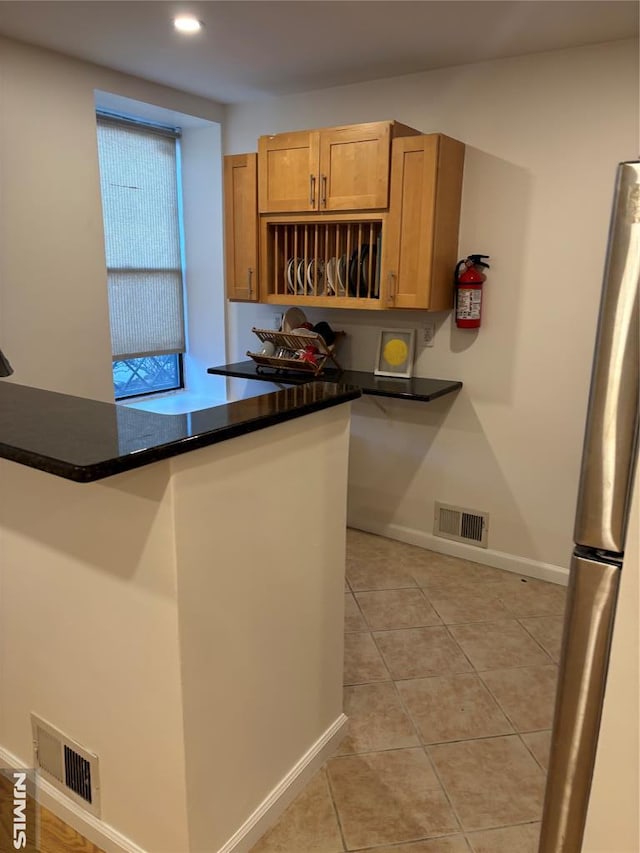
138, 183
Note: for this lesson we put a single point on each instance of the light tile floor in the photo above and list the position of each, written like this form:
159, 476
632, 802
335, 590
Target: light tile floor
450, 673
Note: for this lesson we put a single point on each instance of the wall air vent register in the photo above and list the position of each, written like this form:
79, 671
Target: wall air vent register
67, 765
462, 525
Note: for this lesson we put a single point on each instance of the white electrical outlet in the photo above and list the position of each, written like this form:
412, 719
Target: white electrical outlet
429, 333
276, 322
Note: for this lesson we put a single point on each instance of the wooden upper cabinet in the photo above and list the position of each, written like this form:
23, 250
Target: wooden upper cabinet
241, 226
288, 172
364, 216
337, 169
421, 230
354, 167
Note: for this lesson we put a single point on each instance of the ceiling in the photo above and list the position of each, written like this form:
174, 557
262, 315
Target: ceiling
249, 50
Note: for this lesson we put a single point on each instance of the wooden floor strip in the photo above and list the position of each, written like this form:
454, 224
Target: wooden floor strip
55, 835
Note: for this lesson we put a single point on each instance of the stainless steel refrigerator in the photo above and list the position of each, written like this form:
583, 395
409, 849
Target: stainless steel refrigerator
607, 474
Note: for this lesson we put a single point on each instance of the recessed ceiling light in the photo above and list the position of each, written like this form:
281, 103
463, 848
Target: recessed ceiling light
187, 24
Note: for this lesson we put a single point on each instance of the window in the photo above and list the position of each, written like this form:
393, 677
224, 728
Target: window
140, 190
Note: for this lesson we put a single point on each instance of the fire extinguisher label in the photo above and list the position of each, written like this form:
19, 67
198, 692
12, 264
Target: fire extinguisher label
469, 304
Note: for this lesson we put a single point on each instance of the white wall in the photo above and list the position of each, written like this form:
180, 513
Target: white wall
260, 602
204, 255
544, 134
184, 622
54, 322
89, 637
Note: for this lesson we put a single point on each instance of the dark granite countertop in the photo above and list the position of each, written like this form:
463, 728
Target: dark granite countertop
86, 440
416, 388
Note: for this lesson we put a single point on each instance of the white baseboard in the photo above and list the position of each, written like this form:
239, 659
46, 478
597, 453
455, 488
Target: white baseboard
111, 841
495, 559
92, 828
286, 790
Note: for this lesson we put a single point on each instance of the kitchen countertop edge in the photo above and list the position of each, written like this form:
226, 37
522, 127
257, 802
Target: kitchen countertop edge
420, 389
117, 463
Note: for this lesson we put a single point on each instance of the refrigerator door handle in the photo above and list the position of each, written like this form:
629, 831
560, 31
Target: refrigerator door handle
588, 629
611, 434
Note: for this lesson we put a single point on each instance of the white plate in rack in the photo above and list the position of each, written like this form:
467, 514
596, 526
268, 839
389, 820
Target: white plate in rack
316, 268
293, 318
336, 274
302, 274
290, 275
342, 275
331, 274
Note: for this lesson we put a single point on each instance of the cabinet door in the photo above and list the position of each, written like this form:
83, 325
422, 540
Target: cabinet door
241, 226
354, 167
421, 232
288, 170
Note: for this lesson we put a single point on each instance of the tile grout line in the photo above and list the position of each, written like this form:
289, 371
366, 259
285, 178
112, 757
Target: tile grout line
421, 743
547, 662
399, 845
535, 639
516, 730
475, 669
434, 675
335, 807
419, 738
504, 826
537, 760
382, 657
462, 651
361, 611
399, 589
499, 704
424, 749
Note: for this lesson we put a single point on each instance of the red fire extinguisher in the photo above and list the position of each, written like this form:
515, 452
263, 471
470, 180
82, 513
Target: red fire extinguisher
469, 280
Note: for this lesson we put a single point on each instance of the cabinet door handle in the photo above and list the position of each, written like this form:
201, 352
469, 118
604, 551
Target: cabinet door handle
391, 295
249, 274
323, 197
312, 190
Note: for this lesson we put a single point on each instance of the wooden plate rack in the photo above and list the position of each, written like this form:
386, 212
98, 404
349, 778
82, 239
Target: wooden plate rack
290, 343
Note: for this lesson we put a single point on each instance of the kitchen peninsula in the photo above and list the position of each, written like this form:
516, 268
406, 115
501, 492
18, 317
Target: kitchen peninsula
173, 601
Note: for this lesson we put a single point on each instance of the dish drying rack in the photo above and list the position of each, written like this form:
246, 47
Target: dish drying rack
291, 343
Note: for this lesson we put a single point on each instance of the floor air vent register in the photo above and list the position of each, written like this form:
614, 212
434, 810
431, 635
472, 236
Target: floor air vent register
67, 765
462, 525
